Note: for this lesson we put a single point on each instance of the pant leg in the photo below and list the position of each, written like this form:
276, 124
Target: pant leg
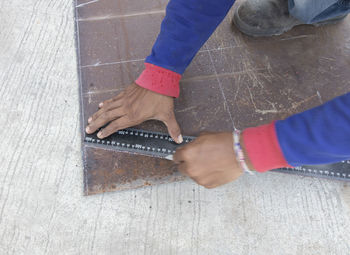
312, 11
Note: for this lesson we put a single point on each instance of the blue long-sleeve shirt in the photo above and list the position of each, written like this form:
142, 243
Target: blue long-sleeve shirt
317, 136
186, 27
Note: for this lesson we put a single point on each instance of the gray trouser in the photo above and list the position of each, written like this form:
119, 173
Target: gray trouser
312, 11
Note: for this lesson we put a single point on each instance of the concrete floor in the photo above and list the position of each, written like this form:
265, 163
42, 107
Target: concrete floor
43, 211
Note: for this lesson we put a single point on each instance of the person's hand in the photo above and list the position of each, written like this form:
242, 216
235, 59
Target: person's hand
209, 160
131, 107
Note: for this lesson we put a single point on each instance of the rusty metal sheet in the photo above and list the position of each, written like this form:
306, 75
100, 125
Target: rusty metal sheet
233, 80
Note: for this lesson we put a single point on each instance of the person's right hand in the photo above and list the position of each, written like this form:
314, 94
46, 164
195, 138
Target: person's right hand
131, 107
209, 160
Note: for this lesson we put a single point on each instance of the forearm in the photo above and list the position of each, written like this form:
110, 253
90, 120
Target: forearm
186, 27
318, 136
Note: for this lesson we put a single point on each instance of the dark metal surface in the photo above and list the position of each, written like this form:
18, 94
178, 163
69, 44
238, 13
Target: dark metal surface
106, 170
234, 80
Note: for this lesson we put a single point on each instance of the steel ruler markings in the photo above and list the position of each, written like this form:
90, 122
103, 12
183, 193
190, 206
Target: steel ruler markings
137, 141
160, 145
337, 171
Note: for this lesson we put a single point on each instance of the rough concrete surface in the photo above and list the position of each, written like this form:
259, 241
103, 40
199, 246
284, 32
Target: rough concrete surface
42, 207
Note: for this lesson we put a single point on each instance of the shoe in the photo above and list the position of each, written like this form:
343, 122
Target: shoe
268, 17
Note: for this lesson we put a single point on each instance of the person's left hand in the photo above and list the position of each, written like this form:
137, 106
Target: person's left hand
209, 160
131, 107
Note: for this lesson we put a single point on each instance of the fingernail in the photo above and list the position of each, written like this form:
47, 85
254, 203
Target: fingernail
99, 134
180, 139
87, 129
100, 105
90, 119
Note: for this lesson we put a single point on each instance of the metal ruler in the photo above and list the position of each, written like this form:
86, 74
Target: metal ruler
137, 141
338, 171
161, 145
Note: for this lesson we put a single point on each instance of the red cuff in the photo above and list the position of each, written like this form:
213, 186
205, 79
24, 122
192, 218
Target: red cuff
262, 146
160, 80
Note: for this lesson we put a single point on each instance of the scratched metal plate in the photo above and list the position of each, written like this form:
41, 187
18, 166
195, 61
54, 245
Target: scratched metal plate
234, 80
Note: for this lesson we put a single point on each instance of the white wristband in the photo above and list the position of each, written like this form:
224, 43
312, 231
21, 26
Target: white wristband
239, 152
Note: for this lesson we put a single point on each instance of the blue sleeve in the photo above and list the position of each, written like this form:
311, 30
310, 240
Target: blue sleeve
318, 136
186, 27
